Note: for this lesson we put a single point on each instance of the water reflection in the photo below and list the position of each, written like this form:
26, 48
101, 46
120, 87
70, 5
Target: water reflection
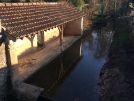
66, 82
99, 41
81, 84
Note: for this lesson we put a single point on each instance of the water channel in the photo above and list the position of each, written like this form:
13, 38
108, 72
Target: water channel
74, 75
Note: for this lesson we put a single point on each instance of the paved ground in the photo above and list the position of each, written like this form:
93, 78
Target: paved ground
32, 62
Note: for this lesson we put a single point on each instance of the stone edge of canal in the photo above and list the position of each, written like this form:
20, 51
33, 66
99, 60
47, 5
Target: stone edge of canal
28, 92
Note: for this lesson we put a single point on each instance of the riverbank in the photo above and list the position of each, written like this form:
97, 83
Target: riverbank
116, 77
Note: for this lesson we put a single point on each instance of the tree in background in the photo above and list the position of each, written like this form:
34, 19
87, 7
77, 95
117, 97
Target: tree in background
108, 6
112, 5
77, 3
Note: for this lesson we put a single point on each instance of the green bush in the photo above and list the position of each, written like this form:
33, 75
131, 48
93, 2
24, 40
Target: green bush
77, 3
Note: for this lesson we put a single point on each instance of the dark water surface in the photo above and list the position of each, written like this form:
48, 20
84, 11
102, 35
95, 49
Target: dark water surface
74, 75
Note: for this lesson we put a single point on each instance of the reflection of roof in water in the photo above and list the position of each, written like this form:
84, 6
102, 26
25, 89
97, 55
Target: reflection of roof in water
21, 19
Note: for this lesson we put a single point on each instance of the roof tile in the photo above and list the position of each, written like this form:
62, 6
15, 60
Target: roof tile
22, 19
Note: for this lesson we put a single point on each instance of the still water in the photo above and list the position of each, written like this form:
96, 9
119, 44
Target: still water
74, 75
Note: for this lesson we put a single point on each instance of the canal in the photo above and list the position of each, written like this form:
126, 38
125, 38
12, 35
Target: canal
98, 67
81, 83
74, 75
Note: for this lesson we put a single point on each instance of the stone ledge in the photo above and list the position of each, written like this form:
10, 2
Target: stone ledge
26, 92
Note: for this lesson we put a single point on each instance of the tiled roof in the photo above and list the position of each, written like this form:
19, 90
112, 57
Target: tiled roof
21, 19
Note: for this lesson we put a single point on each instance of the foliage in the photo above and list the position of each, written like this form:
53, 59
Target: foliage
4, 0
77, 3
108, 7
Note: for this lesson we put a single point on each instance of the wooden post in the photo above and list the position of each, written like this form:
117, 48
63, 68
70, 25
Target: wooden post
61, 37
82, 26
40, 39
0, 26
31, 38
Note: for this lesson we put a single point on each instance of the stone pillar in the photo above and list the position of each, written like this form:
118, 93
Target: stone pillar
4, 75
40, 38
82, 26
13, 55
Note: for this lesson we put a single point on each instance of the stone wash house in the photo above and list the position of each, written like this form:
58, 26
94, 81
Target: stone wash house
28, 27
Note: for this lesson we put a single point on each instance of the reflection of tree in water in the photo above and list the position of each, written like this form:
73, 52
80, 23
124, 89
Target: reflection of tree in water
99, 41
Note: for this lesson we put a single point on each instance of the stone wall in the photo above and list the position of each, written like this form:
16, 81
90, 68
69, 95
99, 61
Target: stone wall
52, 33
2, 56
23, 45
74, 27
